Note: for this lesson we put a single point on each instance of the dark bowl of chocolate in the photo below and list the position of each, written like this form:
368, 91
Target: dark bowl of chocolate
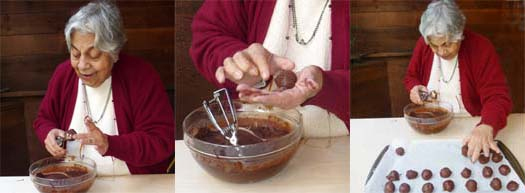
267, 141
63, 175
428, 118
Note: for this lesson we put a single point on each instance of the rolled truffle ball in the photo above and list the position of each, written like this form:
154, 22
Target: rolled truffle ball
428, 188
411, 174
285, 79
504, 170
466, 173
445, 172
487, 172
448, 185
404, 188
426, 174
390, 187
495, 184
400, 151
471, 185
512, 186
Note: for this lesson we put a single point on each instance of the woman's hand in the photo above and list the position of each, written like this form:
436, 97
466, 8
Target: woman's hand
51, 144
251, 65
480, 139
93, 137
309, 83
414, 94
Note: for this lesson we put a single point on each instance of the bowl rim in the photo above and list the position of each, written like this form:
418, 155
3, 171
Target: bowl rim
449, 113
90, 175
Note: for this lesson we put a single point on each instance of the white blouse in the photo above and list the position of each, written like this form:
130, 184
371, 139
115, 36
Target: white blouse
280, 40
449, 92
106, 165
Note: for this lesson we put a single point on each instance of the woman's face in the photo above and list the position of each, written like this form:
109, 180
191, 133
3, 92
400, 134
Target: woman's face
444, 48
92, 66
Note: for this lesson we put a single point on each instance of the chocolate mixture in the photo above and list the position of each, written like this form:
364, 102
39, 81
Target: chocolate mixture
428, 112
263, 128
61, 171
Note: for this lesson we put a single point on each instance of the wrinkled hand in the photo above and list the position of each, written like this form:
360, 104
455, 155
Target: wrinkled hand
309, 83
414, 94
480, 139
251, 65
93, 137
51, 144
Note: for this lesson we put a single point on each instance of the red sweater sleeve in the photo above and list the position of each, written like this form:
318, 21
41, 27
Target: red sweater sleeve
414, 75
219, 30
492, 88
335, 94
51, 112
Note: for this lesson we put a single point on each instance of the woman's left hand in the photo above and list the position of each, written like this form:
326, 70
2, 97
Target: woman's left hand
481, 139
309, 83
93, 137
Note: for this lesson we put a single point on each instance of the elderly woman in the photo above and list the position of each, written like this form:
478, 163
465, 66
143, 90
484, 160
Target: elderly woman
240, 45
116, 103
463, 67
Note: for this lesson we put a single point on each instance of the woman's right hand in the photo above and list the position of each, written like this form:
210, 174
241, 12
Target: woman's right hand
251, 65
51, 144
414, 94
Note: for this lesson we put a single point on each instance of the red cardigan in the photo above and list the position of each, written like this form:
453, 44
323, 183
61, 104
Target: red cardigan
144, 116
484, 89
221, 28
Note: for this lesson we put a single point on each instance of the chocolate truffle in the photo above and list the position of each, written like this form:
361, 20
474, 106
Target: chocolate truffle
393, 176
466, 173
400, 151
487, 172
411, 174
285, 79
471, 186
390, 187
426, 174
495, 184
445, 172
448, 185
497, 157
428, 188
512, 186
404, 188
483, 159
504, 170
464, 150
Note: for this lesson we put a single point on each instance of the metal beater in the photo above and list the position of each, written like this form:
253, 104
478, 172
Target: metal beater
230, 131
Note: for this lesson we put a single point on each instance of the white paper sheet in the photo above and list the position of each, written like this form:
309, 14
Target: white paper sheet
435, 155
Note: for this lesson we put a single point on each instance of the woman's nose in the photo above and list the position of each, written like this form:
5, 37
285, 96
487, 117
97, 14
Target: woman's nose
442, 51
83, 63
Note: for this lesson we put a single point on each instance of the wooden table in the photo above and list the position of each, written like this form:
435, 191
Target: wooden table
314, 168
130, 183
370, 136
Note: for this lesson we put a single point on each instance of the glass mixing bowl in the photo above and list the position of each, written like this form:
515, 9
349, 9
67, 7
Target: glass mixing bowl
63, 175
428, 118
251, 161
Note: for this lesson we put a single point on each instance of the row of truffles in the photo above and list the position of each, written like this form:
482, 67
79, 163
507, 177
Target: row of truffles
448, 185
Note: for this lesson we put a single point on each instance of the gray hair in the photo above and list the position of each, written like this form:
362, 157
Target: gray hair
103, 20
442, 18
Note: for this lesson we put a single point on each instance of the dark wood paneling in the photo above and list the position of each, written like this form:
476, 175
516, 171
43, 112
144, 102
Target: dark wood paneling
392, 26
369, 91
14, 151
192, 88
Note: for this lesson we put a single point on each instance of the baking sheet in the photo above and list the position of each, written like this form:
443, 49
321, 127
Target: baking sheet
435, 155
